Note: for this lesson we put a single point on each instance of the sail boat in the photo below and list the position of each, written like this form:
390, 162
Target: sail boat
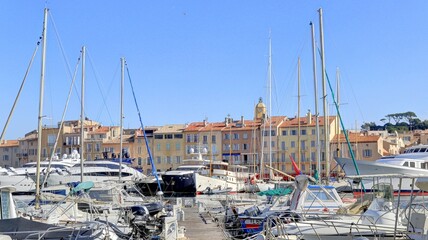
21, 228
98, 170
261, 185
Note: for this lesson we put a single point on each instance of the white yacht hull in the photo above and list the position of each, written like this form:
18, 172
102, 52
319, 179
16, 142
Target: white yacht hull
376, 168
22, 183
213, 183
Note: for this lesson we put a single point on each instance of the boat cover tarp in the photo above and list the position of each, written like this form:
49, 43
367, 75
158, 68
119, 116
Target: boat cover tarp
276, 192
22, 228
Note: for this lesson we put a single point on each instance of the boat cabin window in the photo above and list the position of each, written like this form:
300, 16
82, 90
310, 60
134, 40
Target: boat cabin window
412, 164
320, 194
406, 164
423, 150
106, 165
183, 168
424, 165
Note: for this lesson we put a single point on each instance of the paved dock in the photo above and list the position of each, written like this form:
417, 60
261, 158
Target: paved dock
199, 223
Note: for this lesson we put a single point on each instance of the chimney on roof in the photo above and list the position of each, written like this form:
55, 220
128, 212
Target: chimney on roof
242, 121
205, 122
309, 116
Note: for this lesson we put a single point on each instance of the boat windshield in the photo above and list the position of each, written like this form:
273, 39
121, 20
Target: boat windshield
187, 168
322, 195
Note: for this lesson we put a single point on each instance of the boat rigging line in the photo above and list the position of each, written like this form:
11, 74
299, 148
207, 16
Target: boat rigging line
20, 89
154, 170
351, 152
61, 124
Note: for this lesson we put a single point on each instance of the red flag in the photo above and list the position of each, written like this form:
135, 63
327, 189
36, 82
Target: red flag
296, 169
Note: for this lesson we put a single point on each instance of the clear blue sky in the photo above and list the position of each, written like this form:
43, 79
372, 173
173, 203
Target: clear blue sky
191, 60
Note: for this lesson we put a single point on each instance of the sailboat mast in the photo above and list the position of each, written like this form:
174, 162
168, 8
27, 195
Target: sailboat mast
40, 117
270, 105
324, 92
122, 61
298, 116
337, 117
82, 116
317, 125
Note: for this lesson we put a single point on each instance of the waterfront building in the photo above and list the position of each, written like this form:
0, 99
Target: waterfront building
28, 148
168, 146
270, 131
9, 153
241, 143
365, 147
291, 140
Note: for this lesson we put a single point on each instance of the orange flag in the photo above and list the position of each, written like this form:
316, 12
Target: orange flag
296, 169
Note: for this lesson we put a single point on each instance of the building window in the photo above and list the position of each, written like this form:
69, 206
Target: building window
272, 133
195, 138
177, 146
312, 143
51, 139
168, 136
97, 147
178, 159
235, 147
293, 132
303, 132
282, 157
168, 146
303, 144
367, 153
245, 136
226, 136
245, 146
282, 145
6, 157
214, 149
265, 144
213, 139
89, 147
139, 150
293, 144
272, 144
159, 160
158, 147
284, 133
168, 159
178, 136
235, 136
205, 139
188, 138
313, 131
158, 136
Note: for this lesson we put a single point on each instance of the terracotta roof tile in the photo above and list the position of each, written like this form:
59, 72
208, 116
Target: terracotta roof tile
9, 143
357, 138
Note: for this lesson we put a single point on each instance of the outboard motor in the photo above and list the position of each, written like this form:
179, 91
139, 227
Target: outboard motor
138, 215
142, 223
